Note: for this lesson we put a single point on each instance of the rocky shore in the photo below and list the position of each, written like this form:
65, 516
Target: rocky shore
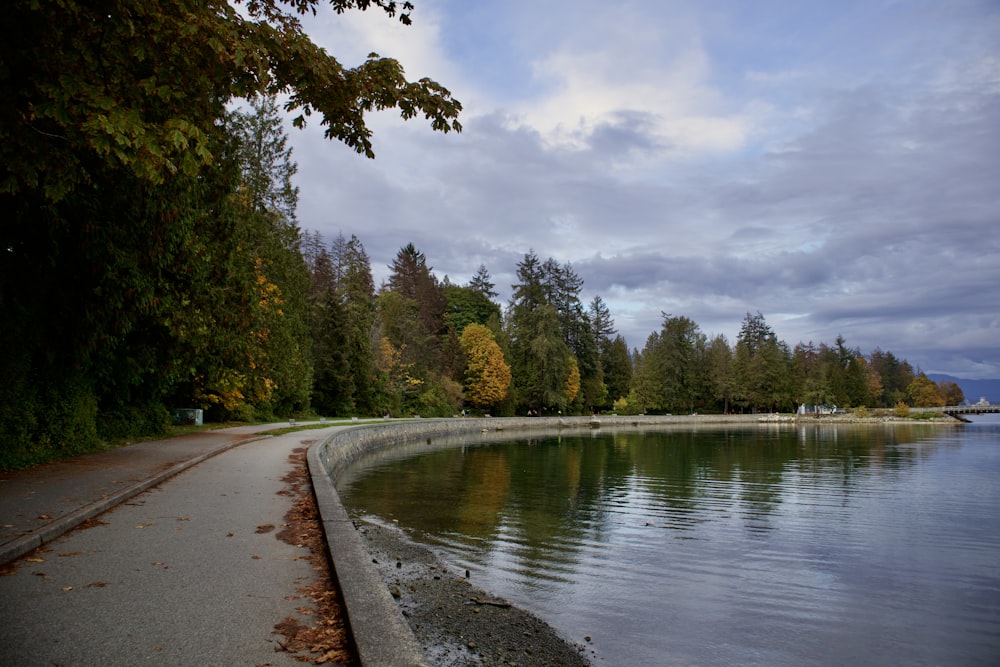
456, 623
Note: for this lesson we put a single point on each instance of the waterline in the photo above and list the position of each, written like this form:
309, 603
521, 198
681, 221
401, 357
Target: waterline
753, 546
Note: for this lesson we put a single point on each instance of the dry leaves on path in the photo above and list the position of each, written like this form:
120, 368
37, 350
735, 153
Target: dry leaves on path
326, 640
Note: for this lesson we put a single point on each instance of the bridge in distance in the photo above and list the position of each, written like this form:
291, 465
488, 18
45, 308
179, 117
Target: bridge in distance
957, 411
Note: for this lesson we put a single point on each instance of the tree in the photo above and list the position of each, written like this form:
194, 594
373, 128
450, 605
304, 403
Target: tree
720, 370
896, 376
546, 326
483, 283
465, 305
845, 370
761, 366
924, 393
617, 366
138, 270
601, 322
951, 393
139, 85
356, 290
645, 392
421, 324
553, 360
487, 375
265, 160
670, 365
265, 167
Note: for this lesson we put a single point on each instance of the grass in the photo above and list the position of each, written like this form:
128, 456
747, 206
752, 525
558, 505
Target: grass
926, 415
327, 424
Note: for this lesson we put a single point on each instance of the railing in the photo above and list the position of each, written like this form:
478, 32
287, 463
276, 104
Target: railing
962, 409
957, 411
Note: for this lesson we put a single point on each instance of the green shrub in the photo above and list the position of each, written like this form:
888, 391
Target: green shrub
41, 426
133, 421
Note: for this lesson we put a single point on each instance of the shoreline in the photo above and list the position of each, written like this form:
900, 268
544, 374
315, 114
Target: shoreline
402, 600
455, 622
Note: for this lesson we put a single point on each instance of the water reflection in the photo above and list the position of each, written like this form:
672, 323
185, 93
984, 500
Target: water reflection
772, 533
561, 489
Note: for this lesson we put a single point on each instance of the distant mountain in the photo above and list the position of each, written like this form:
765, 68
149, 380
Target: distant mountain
973, 389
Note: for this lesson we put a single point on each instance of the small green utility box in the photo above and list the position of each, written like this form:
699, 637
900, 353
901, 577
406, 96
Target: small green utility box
184, 416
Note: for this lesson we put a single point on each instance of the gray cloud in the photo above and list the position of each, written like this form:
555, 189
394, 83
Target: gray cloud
866, 206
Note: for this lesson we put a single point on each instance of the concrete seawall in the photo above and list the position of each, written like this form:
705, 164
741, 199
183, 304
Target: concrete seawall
343, 449
381, 635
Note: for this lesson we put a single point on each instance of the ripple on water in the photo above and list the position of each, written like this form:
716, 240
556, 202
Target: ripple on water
832, 546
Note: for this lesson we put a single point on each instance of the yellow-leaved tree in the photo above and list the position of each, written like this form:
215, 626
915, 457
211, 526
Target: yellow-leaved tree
487, 374
924, 392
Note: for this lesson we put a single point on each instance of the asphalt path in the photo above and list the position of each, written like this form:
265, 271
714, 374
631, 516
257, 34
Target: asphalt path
187, 573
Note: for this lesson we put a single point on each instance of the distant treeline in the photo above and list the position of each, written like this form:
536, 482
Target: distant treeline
124, 299
418, 345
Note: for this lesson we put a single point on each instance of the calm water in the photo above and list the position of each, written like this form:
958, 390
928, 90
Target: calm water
760, 546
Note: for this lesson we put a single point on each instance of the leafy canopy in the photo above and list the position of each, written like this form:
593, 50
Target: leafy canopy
141, 85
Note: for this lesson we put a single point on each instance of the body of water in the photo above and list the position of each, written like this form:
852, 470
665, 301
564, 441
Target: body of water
762, 545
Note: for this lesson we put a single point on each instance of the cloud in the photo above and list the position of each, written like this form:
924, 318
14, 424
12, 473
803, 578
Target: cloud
700, 162
621, 75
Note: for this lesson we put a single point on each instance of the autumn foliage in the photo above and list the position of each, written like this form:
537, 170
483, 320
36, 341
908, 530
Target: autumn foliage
487, 375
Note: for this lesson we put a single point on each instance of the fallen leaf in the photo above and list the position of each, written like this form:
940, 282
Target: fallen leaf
183, 518
44, 516
96, 584
70, 553
67, 588
255, 557
35, 560
265, 528
229, 534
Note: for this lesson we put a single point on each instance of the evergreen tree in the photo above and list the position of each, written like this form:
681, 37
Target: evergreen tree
483, 283
670, 375
265, 159
896, 376
419, 324
761, 367
721, 371
809, 377
617, 366
266, 167
539, 326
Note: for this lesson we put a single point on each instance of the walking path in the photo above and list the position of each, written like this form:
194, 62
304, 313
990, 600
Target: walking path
133, 588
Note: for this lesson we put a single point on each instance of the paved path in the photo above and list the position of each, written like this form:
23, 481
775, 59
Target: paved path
177, 575
41, 503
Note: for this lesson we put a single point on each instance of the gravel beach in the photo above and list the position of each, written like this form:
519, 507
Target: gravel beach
456, 623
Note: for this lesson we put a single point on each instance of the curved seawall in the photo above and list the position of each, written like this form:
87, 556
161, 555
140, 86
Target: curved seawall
381, 635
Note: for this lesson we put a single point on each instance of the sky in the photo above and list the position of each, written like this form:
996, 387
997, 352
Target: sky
834, 166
